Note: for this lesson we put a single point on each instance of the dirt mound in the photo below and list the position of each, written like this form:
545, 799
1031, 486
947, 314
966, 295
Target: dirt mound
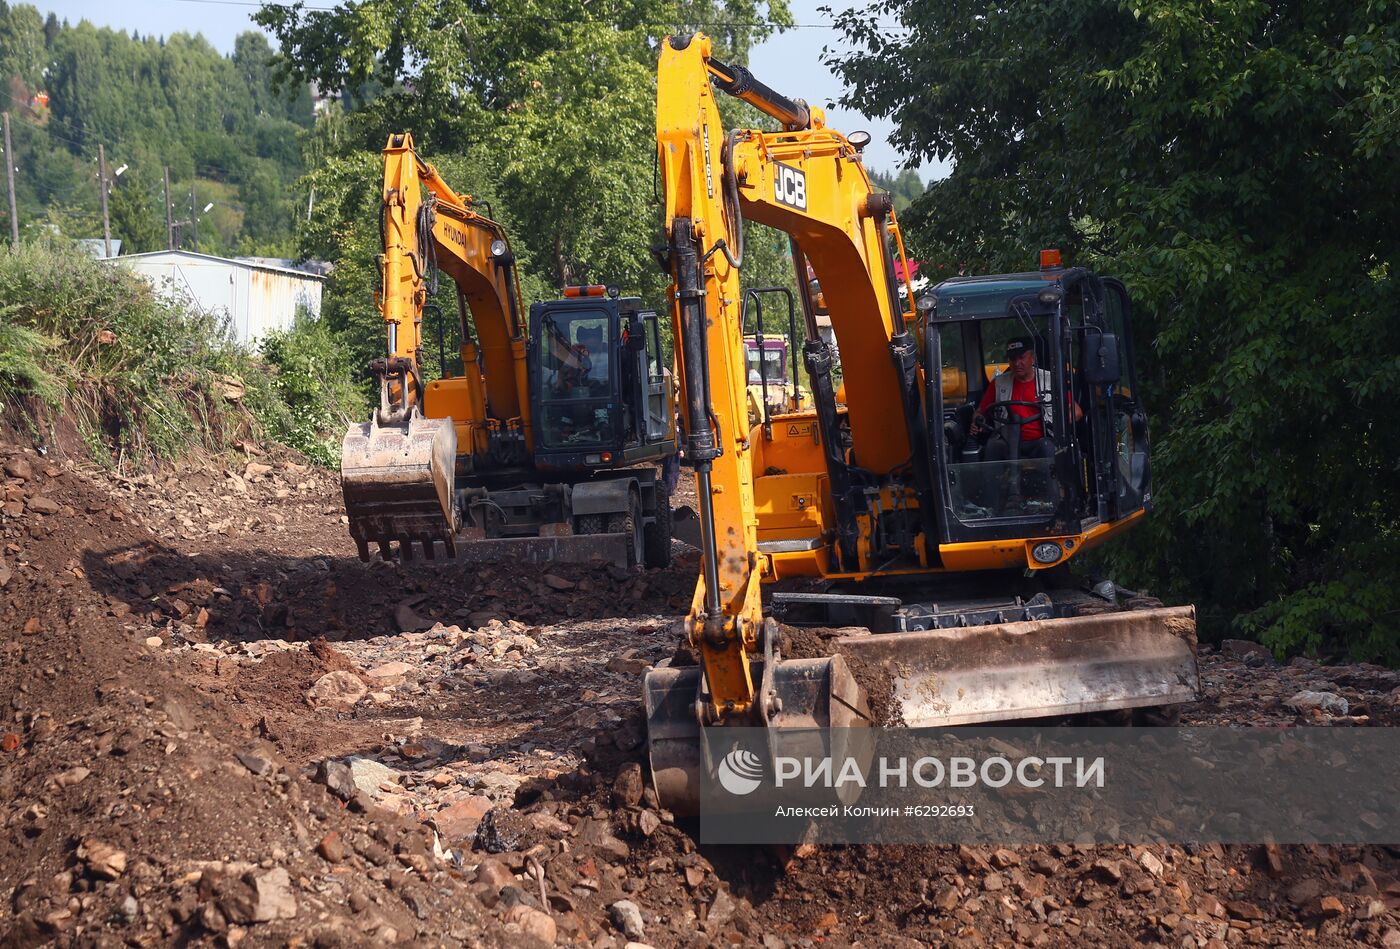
132, 804
460, 758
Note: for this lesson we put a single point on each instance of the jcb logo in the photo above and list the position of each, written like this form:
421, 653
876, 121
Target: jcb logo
790, 186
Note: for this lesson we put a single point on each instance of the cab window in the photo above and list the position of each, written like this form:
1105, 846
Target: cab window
954, 359
574, 380
575, 349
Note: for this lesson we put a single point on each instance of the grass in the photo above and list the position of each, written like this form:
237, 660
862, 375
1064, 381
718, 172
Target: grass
147, 377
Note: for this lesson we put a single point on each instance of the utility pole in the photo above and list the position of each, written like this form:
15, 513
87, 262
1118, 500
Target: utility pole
169, 224
102, 193
194, 218
10, 174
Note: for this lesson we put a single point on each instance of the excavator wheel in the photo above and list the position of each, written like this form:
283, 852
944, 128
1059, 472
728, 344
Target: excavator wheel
629, 524
658, 533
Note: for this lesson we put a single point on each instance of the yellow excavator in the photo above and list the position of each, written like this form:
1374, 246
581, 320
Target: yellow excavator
938, 548
544, 447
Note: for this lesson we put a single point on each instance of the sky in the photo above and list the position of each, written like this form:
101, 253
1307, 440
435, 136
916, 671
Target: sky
789, 62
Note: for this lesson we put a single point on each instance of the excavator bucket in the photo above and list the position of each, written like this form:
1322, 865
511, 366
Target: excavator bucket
1037, 668
398, 485
803, 694
973, 674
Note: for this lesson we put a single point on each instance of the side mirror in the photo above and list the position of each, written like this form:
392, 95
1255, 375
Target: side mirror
1100, 358
636, 336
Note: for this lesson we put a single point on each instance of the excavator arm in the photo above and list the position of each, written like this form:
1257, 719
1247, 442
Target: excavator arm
808, 182
711, 179
398, 469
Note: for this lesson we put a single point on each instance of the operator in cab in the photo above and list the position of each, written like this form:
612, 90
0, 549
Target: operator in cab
1027, 387
591, 339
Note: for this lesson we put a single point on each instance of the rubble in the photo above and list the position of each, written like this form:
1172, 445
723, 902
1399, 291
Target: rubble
487, 785
337, 689
273, 896
627, 917
1329, 702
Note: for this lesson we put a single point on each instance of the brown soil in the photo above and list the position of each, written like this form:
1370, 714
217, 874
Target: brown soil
159, 637
799, 642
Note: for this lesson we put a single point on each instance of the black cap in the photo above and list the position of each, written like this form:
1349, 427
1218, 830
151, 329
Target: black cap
1017, 346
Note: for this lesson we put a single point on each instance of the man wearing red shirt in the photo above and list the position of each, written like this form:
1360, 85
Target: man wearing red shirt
1021, 382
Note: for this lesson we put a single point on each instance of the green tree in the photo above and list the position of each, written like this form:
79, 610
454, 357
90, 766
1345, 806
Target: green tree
905, 187
135, 211
1238, 164
22, 50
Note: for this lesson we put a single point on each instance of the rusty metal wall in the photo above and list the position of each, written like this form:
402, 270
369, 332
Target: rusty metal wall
253, 300
269, 300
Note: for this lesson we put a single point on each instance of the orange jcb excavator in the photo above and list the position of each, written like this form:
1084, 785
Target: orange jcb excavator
938, 542
543, 448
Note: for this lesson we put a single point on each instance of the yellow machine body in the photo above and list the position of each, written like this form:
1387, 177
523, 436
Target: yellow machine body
768, 504
398, 469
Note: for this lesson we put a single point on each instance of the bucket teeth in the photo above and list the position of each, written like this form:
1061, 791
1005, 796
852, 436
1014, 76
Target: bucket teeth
398, 482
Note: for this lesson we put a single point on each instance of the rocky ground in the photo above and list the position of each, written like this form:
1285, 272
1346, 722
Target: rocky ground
219, 726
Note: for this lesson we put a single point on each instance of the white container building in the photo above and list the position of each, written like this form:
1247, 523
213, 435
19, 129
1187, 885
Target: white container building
255, 298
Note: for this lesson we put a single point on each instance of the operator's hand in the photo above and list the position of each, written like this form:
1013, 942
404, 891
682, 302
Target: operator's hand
978, 424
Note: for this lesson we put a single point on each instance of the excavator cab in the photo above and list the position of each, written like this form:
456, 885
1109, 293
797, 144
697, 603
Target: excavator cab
1067, 460
598, 377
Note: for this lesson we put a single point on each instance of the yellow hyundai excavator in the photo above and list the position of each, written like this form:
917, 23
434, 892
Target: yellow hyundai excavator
917, 527
544, 447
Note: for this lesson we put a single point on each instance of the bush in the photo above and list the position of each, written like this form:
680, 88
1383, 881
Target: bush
22, 355
147, 377
142, 374
313, 373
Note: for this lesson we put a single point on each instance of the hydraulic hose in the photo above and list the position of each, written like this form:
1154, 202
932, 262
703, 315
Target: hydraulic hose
702, 442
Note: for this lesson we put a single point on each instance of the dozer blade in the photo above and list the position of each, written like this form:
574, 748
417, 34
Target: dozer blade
398, 485
1037, 669
804, 694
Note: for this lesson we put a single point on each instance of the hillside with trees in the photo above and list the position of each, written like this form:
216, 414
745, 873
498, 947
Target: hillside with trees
905, 186
215, 121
